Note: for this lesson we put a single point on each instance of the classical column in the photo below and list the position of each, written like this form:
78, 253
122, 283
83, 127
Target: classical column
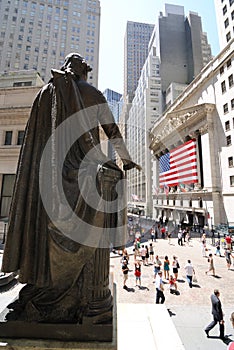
213, 134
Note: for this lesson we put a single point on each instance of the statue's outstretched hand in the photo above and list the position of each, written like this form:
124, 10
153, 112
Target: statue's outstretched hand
130, 165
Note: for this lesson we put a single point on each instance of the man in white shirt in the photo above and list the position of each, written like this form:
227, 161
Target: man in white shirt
159, 288
189, 272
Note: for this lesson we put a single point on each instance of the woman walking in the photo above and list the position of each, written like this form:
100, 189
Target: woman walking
147, 256
175, 266
151, 252
211, 264
228, 255
166, 267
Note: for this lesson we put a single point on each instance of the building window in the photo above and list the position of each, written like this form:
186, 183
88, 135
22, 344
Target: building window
225, 108
229, 140
6, 195
230, 80
232, 14
221, 71
231, 2
230, 162
232, 103
20, 137
228, 37
8, 138
224, 9
223, 86
231, 180
227, 125
226, 23
229, 63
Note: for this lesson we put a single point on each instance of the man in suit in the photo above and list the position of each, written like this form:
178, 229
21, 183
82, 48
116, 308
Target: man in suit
217, 314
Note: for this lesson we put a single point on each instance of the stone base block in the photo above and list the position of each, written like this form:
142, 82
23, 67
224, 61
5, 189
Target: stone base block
18, 335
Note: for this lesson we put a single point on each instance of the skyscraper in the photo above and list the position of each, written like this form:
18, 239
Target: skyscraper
136, 42
225, 21
115, 102
113, 99
178, 50
39, 34
181, 46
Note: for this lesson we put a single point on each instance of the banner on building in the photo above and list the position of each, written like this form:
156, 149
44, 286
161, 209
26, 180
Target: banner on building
179, 165
135, 197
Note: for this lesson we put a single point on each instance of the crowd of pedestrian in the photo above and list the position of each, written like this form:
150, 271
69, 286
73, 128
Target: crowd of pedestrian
145, 255
166, 269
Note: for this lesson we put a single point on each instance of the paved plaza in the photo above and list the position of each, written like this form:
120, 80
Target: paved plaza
191, 310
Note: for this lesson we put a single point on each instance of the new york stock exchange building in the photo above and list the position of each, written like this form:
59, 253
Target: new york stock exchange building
192, 144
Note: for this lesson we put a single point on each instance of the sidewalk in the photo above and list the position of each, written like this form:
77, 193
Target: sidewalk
191, 310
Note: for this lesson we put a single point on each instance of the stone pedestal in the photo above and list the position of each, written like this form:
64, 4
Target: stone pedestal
17, 335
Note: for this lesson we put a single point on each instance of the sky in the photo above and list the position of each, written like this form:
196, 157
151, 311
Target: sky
114, 17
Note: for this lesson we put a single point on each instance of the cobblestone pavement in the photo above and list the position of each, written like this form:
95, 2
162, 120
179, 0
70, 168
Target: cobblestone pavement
191, 310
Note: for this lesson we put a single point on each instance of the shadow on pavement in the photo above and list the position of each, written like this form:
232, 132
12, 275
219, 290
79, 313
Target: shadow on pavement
129, 289
196, 285
171, 313
143, 288
175, 292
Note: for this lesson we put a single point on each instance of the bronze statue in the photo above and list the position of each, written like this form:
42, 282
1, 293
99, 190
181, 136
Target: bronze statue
65, 271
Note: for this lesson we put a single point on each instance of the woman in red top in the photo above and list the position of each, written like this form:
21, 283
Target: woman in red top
138, 272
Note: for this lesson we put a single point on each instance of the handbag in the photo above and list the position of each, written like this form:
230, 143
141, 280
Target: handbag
195, 279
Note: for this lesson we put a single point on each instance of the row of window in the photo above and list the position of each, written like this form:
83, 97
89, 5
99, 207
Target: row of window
226, 22
230, 83
8, 138
200, 202
231, 2
228, 64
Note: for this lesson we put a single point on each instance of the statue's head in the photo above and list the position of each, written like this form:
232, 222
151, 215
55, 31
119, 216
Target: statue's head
77, 64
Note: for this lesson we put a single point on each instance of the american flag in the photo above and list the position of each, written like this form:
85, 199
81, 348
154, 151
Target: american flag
179, 166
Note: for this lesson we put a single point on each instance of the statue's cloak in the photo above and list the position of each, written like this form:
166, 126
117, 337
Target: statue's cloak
27, 247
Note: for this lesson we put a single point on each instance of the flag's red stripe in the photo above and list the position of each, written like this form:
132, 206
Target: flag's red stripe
193, 142
179, 177
186, 156
192, 169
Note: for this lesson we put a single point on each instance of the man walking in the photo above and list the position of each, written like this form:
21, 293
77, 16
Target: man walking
125, 270
217, 314
159, 288
180, 237
189, 273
